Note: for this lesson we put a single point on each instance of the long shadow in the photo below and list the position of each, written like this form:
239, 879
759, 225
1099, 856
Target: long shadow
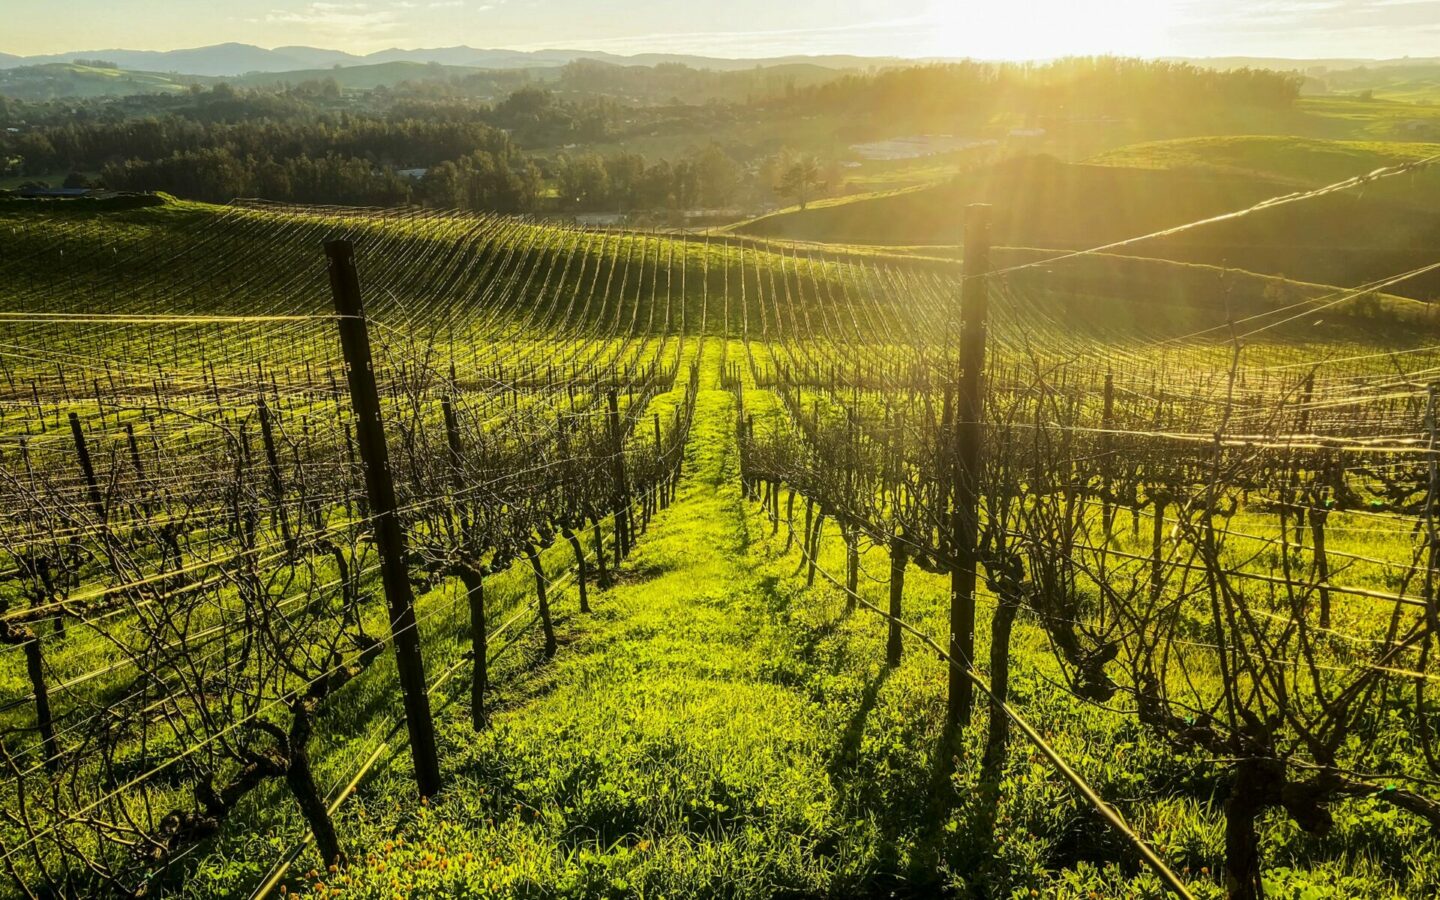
945, 761
809, 649
932, 811
910, 815
522, 680
854, 732
811, 638
910, 811
992, 767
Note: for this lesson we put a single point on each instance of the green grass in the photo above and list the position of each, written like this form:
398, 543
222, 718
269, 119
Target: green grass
1040, 202
56, 80
1354, 117
718, 729
883, 175
1307, 162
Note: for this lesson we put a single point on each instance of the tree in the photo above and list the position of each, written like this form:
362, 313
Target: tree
800, 180
584, 182
655, 187
441, 186
717, 177
626, 171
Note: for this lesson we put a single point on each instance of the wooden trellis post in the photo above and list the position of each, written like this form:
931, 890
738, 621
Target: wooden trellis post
385, 522
965, 513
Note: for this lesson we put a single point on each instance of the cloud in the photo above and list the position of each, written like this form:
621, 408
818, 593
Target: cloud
1314, 28
362, 26
751, 42
927, 28
339, 20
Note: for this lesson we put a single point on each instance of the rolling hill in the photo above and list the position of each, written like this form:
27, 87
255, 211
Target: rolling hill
1041, 202
217, 60
233, 59
360, 78
1278, 62
64, 80
317, 57
56, 80
1304, 162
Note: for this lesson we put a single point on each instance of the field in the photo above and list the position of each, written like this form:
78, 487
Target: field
1042, 202
69, 80
690, 567
1303, 162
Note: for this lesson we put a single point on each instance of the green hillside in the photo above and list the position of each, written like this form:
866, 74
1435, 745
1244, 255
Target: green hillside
703, 270
1356, 117
71, 80
716, 711
1306, 162
1040, 201
55, 80
360, 78
1414, 81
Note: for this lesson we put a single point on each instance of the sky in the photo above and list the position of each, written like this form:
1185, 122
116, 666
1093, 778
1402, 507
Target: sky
998, 29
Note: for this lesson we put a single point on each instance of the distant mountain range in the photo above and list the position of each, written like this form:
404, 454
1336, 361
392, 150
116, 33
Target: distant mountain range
231, 60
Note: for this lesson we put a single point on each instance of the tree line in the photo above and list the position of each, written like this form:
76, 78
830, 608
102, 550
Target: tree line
1076, 87
502, 180
534, 147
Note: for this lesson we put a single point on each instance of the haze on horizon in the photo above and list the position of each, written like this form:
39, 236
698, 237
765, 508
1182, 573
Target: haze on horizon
1016, 29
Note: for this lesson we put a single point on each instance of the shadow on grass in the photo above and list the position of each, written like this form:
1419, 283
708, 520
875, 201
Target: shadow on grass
854, 732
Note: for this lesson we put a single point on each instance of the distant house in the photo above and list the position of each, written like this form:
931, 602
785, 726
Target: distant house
712, 216
596, 220
916, 146
1027, 132
412, 174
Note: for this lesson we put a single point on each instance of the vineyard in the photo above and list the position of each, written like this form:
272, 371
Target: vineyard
385, 553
